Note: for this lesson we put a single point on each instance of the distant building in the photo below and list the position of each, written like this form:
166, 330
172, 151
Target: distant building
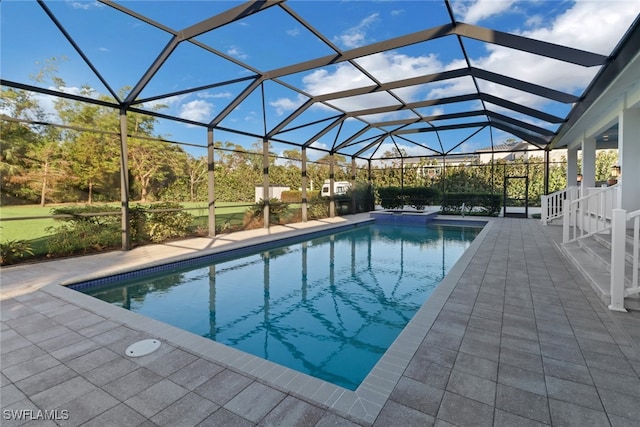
275, 191
508, 151
514, 150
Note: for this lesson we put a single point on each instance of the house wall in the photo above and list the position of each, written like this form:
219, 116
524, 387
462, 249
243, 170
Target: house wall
275, 192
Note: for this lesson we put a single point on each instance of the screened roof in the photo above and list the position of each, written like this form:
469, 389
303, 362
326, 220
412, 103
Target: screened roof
362, 78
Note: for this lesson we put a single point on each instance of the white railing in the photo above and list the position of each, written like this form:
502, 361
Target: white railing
590, 214
553, 204
618, 253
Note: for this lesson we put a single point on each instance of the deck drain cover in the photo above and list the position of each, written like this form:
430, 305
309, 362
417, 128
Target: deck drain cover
142, 348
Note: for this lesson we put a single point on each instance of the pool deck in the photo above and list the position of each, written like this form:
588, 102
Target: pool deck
513, 336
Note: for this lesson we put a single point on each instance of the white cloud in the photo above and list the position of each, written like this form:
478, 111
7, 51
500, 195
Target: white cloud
535, 21
594, 26
226, 95
196, 111
356, 36
318, 144
570, 28
474, 12
84, 5
73, 90
573, 28
165, 102
437, 111
468, 147
283, 105
293, 32
237, 53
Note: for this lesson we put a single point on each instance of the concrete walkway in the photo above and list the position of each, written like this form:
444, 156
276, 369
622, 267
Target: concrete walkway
513, 337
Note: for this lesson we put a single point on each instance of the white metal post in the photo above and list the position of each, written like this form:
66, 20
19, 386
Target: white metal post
545, 208
332, 201
618, 237
211, 194
265, 181
566, 223
304, 183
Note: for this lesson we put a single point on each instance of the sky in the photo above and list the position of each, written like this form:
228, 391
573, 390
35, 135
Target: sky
122, 48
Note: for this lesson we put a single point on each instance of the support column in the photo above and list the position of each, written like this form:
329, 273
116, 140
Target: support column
211, 194
402, 176
629, 159
304, 184
265, 181
493, 173
546, 171
588, 163
353, 185
332, 201
572, 166
124, 182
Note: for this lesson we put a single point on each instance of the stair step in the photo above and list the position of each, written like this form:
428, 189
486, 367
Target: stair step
593, 259
600, 253
605, 239
597, 276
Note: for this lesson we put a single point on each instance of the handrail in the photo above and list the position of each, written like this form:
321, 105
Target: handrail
590, 213
594, 192
553, 205
635, 216
618, 254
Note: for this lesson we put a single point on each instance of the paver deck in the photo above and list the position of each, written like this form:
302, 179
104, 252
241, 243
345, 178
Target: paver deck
514, 337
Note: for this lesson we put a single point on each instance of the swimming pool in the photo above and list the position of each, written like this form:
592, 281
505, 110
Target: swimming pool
328, 307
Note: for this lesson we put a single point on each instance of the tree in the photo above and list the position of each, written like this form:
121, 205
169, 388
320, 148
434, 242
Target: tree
30, 159
153, 164
605, 160
197, 169
45, 169
93, 156
16, 138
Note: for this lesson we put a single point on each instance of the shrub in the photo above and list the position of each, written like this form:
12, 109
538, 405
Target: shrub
14, 250
291, 196
278, 210
390, 197
82, 232
138, 224
166, 222
362, 193
474, 203
318, 206
418, 197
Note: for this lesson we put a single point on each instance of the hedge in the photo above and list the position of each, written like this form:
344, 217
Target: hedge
87, 231
291, 196
478, 203
417, 197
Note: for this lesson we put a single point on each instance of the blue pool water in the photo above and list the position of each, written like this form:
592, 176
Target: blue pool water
329, 307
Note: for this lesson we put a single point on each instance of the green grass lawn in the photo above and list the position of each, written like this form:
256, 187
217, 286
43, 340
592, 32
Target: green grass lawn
34, 229
26, 229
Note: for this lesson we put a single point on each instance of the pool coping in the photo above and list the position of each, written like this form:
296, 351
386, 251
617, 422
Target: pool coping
363, 404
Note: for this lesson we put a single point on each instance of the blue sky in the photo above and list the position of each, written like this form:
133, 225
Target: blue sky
122, 47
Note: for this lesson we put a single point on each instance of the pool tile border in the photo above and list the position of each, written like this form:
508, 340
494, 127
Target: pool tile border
238, 250
365, 403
